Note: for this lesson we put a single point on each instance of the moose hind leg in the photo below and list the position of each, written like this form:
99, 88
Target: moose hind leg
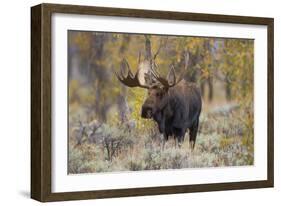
193, 133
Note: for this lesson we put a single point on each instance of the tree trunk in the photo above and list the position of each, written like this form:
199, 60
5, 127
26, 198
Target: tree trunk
99, 76
122, 104
148, 52
228, 90
210, 85
202, 86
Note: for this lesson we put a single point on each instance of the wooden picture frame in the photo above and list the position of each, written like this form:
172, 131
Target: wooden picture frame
41, 97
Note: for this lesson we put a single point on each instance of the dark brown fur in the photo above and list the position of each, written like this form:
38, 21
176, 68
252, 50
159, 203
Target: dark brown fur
175, 110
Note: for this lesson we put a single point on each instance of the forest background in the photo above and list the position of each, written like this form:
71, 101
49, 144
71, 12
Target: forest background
106, 132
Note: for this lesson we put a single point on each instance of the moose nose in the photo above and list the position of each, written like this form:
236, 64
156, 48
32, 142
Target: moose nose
146, 112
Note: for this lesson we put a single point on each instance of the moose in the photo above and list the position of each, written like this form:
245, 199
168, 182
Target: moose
174, 103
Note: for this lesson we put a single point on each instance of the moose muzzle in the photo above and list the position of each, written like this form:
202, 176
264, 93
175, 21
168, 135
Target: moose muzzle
146, 112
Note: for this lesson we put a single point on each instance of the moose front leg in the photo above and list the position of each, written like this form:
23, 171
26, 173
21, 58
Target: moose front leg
180, 141
179, 136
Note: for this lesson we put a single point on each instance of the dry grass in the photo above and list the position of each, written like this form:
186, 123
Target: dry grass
225, 139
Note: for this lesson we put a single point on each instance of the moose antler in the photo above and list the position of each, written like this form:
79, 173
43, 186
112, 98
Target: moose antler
171, 75
130, 80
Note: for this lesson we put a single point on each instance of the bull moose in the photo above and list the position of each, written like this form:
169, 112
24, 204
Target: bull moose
173, 103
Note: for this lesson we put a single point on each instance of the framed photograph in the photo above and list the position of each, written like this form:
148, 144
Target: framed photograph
129, 102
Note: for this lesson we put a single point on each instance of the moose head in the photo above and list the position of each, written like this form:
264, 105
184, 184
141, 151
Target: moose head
158, 87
